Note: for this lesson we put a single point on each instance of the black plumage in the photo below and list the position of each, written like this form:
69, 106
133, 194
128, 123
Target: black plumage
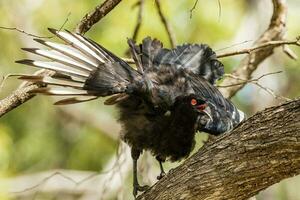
163, 102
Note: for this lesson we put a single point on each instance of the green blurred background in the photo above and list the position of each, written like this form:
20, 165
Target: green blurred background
38, 137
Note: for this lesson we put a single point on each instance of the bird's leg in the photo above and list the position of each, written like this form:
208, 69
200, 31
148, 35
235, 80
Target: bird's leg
136, 187
162, 171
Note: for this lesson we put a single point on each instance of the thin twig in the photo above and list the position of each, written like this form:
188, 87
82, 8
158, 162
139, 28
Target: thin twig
65, 22
33, 35
4, 78
193, 8
255, 81
270, 44
140, 5
95, 16
139, 19
233, 45
166, 24
45, 181
24, 32
243, 81
195, 4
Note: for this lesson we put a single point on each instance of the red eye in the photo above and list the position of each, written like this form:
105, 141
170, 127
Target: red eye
201, 107
194, 102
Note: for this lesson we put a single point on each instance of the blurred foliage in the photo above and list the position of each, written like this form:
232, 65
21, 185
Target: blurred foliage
36, 137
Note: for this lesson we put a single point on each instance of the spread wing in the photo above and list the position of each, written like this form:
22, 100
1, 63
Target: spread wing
83, 68
196, 58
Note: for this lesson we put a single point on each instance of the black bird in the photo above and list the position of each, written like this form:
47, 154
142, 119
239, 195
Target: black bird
163, 102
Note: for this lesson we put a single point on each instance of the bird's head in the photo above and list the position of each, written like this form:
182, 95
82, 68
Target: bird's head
195, 106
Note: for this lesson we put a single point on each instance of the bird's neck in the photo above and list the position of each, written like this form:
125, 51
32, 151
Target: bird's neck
185, 118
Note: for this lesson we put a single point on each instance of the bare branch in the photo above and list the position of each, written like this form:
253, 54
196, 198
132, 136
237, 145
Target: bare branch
65, 22
262, 151
33, 35
233, 45
139, 19
266, 45
4, 78
255, 81
24, 32
95, 16
140, 4
166, 24
195, 4
193, 8
248, 65
20, 96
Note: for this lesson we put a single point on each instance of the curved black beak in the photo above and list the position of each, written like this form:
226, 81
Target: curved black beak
207, 111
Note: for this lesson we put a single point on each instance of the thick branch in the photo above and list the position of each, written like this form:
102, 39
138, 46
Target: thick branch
249, 64
259, 153
21, 95
95, 16
17, 98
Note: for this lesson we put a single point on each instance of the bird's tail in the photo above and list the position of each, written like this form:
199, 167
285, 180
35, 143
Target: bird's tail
84, 70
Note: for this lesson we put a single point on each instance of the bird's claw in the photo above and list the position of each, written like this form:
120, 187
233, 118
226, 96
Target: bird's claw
161, 175
139, 188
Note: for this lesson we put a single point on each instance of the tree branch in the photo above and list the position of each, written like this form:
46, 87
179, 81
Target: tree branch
259, 153
166, 24
21, 95
95, 16
270, 44
139, 19
248, 65
255, 81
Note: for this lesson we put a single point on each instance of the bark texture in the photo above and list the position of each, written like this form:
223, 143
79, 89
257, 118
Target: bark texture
95, 16
21, 95
259, 153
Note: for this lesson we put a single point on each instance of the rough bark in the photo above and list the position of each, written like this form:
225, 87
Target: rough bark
21, 95
259, 153
95, 16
